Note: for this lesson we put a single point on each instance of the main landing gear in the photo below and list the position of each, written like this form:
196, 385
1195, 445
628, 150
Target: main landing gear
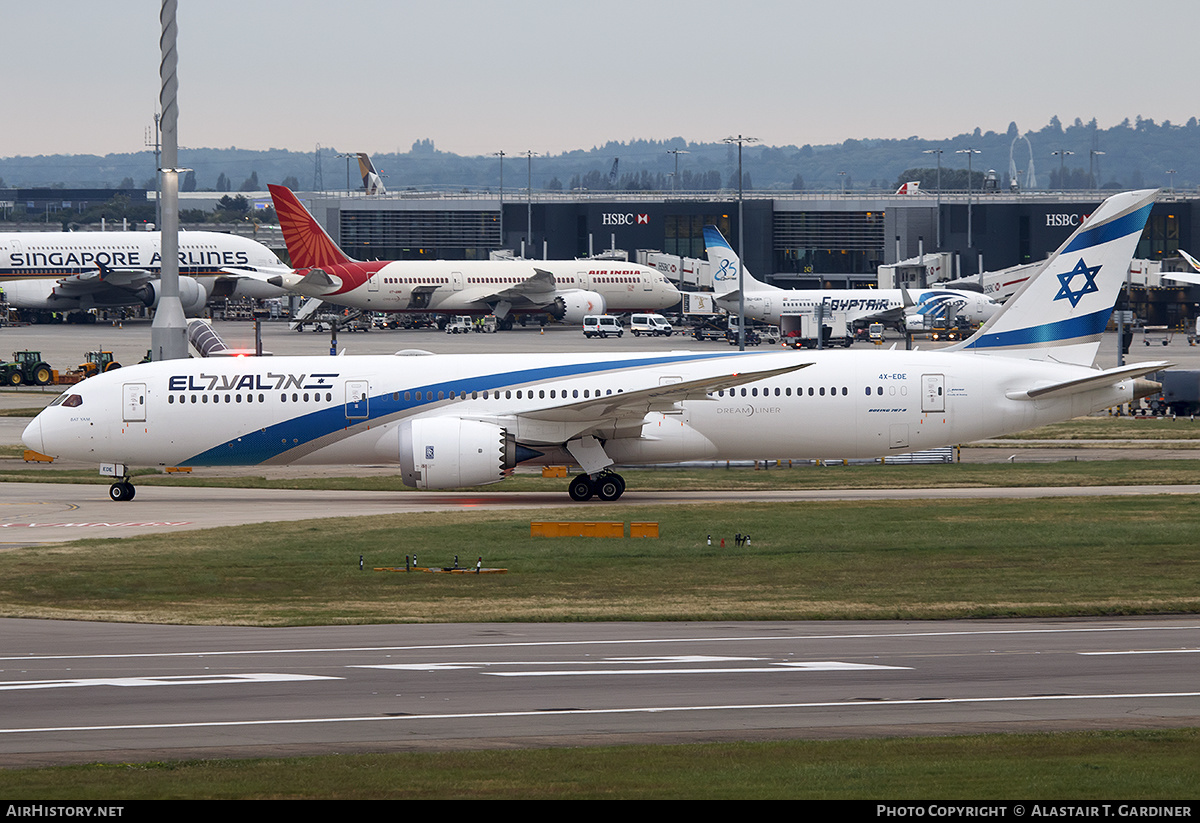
121, 490
608, 486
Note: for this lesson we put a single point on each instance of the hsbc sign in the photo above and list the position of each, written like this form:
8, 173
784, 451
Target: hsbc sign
628, 219
1064, 219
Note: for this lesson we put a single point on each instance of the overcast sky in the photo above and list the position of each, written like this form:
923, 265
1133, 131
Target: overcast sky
480, 76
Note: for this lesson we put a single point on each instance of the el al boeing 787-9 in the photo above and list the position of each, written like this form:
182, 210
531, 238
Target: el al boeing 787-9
452, 421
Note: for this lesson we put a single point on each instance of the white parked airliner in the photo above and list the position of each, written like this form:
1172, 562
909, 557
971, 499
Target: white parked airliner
449, 421
567, 289
769, 303
77, 271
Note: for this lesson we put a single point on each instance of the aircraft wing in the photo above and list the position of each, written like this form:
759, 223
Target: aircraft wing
538, 289
1182, 277
102, 279
315, 283
1107, 377
1192, 277
263, 274
636, 404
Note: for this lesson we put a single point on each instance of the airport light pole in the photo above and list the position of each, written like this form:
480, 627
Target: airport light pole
500, 154
740, 140
168, 332
1061, 154
938, 152
347, 156
1092, 155
970, 153
675, 179
1171, 174
529, 201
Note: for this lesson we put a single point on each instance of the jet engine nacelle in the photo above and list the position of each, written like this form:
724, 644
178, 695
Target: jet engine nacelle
448, 452
572, 306
191, 294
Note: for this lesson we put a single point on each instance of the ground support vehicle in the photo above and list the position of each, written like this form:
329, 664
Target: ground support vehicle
26, 367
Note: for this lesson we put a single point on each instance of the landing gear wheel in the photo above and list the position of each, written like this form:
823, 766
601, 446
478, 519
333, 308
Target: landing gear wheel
609, 487
121, 491
581, 488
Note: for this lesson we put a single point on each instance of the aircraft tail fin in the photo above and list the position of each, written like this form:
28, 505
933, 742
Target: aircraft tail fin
307, 243
372, 180
725, 262
1061, 311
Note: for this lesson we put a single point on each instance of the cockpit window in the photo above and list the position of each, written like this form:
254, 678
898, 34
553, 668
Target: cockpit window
67, 399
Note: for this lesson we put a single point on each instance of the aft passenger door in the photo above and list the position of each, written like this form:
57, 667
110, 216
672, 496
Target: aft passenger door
933, 392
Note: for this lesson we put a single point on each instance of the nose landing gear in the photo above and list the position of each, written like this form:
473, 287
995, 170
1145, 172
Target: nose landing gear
121, 490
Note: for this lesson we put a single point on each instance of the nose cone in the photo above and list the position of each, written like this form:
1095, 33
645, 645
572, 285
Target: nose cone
32, 436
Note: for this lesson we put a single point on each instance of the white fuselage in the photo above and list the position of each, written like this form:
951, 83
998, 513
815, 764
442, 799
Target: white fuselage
861, 305
475, 286
32, 264
283, 410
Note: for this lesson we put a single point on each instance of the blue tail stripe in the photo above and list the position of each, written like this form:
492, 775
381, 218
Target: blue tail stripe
713, 238
1072, 328
1135, 221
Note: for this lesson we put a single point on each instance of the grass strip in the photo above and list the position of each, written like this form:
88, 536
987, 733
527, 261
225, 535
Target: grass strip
1129, 765
836, 560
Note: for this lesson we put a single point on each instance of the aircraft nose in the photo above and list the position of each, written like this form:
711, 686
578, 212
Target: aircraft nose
32, 436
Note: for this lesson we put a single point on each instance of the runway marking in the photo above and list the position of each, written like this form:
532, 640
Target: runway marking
646, 641
172, 680
813, 666
603, 661
94, 525
410, 718
1145, 651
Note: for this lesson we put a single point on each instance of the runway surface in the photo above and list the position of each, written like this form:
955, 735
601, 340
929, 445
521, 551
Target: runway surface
37, 513
82, 692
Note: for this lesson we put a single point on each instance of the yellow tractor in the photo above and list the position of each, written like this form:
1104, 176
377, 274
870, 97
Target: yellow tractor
98, 361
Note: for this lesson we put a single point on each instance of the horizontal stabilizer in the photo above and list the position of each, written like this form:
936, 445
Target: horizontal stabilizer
1108, 377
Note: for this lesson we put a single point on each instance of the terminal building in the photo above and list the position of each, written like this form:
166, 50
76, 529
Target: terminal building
791, 239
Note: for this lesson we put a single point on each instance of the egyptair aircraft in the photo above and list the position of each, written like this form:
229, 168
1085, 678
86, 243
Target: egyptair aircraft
768, 303
567, 289
450, 421
77, 271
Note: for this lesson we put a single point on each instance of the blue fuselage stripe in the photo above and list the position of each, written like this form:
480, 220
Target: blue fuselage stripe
264, 444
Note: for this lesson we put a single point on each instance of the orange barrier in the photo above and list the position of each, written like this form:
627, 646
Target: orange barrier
643, 530
557, 528
575, 529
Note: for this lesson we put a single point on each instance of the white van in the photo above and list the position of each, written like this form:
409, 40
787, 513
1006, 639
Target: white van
602, 325
652, 324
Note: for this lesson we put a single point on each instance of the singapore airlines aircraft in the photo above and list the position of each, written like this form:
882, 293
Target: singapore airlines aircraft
567, 289
768, 303
450, 421
77, 271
